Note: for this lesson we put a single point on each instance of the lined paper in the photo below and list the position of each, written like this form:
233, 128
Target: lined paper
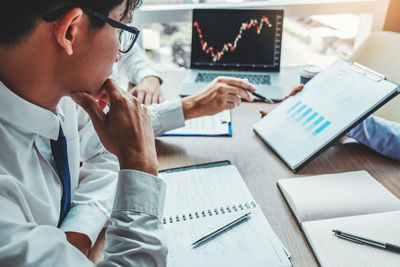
251, 242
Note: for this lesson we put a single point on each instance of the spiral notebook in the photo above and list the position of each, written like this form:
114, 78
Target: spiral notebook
201, 198
214, 125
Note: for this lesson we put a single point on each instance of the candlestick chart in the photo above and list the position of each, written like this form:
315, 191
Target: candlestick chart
216, 55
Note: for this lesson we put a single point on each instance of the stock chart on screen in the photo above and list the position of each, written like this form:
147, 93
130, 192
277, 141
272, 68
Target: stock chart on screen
237, 38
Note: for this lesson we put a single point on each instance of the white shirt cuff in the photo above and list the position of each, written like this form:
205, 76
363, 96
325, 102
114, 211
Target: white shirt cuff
167, 116
85, 219
140, 192
141, 74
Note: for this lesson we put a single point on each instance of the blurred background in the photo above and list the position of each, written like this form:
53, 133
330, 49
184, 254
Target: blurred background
314, 31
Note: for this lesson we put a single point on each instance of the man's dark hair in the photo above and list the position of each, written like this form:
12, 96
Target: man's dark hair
19, 18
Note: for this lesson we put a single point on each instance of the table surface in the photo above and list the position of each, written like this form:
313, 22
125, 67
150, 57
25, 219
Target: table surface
261, 168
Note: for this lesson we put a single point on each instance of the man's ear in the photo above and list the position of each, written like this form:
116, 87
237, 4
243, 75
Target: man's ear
66, 29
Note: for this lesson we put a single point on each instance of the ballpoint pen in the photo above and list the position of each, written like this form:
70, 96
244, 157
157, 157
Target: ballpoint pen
263, 98
363, 240
220, 229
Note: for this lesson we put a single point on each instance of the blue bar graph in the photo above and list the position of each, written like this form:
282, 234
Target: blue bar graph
322, 127
315, 114
300, 109
294, 106
315, 123
302, 116
300, 112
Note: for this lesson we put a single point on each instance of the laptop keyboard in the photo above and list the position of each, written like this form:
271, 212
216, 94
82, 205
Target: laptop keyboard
253, 78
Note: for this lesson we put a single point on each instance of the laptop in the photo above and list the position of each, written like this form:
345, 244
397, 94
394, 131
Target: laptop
237, 43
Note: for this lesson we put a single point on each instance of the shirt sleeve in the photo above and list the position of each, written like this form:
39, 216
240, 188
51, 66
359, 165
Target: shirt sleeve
380, 135
134, 239
135, 65
166, 116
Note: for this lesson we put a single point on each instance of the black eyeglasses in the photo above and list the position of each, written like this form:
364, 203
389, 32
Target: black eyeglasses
127, 35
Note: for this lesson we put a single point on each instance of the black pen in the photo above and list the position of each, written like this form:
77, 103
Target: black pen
220, 229
363, 240
263, 98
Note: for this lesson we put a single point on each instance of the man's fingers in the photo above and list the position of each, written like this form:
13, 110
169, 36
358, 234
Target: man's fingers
147, 99
156, 99
114, 93
233, 99
140, 96
241, 83
242, 93
89, 104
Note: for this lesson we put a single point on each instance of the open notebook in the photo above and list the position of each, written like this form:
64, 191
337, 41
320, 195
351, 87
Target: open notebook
215, 125
352, 202
203, 197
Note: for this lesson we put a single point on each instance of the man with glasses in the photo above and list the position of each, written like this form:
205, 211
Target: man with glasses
58, 178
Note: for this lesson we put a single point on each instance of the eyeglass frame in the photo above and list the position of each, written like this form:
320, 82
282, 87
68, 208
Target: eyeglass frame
113, 23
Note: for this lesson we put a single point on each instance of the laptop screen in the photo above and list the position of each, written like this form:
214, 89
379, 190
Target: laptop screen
236, 39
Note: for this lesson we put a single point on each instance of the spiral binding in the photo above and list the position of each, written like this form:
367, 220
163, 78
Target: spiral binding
209, 212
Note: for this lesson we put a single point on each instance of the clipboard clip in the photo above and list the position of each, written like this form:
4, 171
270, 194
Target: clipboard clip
367, 72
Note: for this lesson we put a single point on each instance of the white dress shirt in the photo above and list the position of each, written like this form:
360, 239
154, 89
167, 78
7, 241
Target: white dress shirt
31, 191
135, 65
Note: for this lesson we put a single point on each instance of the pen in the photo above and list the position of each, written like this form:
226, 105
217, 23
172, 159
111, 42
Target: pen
265, 99
363, 240
220, 229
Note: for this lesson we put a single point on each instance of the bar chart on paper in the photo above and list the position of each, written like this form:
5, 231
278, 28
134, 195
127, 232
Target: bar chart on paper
305, 117
308, 124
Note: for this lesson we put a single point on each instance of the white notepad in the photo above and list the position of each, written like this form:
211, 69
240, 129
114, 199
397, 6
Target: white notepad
202, 198
352, 202
330, 104
215, 125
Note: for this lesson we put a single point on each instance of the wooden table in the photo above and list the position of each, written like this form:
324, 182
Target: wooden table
261, 169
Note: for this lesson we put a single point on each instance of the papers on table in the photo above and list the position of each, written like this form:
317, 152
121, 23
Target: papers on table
215, 125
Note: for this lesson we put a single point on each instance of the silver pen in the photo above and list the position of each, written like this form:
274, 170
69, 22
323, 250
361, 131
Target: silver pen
220, 229
367, 241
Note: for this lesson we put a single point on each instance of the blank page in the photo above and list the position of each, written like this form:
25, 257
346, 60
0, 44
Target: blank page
337, 195
334, 251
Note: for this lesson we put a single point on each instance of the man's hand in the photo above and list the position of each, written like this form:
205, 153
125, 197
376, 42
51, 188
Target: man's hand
221, 94
147, 91
80, 241
125, 130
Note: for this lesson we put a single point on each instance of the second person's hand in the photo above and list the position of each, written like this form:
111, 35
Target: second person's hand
148, 91
221, 94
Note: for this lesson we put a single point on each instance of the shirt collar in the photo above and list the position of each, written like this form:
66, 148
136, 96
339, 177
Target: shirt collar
28, 116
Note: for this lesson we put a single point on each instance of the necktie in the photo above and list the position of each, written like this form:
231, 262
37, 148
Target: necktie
60, 154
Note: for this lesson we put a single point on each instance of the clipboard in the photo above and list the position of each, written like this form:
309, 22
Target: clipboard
219, 124
330, 105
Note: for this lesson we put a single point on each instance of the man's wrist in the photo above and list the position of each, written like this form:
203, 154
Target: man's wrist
190, 108
152, 78
147, 166
80, 241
